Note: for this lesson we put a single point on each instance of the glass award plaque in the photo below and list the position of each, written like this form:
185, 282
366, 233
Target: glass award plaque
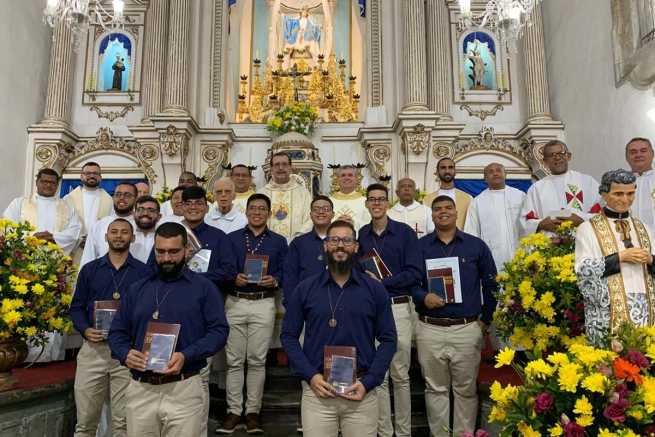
340, 367
159, 344
255, 267
104, 312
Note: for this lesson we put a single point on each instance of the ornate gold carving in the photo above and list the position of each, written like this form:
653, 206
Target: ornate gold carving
171, 141
214, 156
378, 155
482, 114
111, 115
376, 76
43, 153
443, 150
419, 139
486, 141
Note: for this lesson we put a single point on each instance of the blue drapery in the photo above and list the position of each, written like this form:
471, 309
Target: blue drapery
109, 185
476, 186
362, 8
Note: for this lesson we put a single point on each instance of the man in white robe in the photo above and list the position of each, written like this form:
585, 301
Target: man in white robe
242, 177
446, 173
146, 216
493, 216
407, 210
614, 261
290, 201
574, 194
349, 204
124, 199
223, 214
55, 221
639, 154
187, 179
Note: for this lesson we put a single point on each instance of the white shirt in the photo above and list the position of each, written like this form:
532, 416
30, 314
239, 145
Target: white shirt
143, 244
450, 193
230, 222
91, 202
170, 219
96, 246
643, 207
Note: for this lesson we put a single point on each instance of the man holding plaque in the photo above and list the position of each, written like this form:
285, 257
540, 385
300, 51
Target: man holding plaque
390, 248
453, 318
101, 285
306, 256
250, 309
168, 402
344, 313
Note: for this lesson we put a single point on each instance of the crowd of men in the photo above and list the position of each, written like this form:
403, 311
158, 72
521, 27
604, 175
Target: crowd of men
131, 249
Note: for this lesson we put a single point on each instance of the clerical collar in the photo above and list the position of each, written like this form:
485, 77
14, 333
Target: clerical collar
644, 174
615, 215
49, 198
501, 191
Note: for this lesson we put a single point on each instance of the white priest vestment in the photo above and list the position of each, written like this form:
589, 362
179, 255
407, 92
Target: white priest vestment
58, 217
416, 216
142, 246
643, 207
230, 222
462, 202
170, 219
624, 296
352, 204
290, 207
242, 199
572, 191
90, 206
96, 246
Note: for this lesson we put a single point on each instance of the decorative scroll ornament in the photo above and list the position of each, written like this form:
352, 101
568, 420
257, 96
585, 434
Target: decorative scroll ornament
419, 139
378, 155
111, 115
214, 156
443, 150
482, 114
486, 141
171, 141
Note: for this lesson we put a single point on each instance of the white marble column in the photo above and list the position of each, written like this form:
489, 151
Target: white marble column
536, 78
415, 56
155, 62
60, 78
177, 71
438, 48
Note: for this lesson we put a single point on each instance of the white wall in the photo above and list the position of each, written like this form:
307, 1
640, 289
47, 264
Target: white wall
25, 47
599, 118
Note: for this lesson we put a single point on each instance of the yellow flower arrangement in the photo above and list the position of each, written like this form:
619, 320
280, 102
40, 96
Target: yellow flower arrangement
585, 391
36, 291
163, 196
540, 304
297, 117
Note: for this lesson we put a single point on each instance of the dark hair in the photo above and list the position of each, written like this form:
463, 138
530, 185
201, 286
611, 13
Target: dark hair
49, 172
121, 220
172, 230
553, 143
191, 173
90, 164
146, 198
259, 196
442, 199
321, 197
136, 190
645, 140
374, 187
444, 159
176, 189
194, 192
281, 154
341, 224
244, 166
619, 176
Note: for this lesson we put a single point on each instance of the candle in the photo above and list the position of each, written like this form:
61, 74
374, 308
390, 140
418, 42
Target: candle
359, 153
229, 153
334, 155
90, 81
505, 81
250, 159
95, 81
257, 55
341, 56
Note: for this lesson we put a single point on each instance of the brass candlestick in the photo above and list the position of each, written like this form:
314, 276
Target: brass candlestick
334, 177
360, 176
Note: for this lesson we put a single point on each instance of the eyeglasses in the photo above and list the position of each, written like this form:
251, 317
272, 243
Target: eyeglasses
240, 175
321, 208
148, 210
280, 164
51, 183
554, 154
197, 203
254, 208
376, 199
119, 194
91, 173
334, 241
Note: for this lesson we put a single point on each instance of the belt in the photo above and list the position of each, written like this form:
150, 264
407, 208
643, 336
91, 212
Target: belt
400, 299
164, 379
252, 296
447, 322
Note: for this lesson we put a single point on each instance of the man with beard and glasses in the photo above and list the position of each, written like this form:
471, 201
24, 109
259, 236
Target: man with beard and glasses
291, 201
169, 402
574, 194
105, 279
250, 309
306, 256
146, 214
395, 243
449, 335
340, 307
124, 200
446, 173
187, 179
176, 206
91, 202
